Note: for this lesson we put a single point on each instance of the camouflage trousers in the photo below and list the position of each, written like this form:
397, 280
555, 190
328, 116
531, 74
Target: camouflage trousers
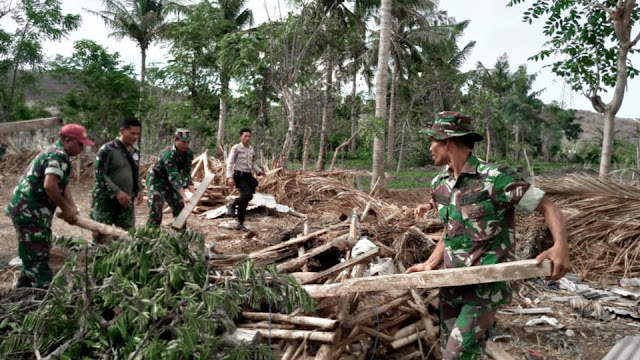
109, 211
463, 328
34, 246
156, 202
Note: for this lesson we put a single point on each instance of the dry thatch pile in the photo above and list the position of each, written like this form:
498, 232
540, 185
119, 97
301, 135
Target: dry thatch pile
16, 162
603, 223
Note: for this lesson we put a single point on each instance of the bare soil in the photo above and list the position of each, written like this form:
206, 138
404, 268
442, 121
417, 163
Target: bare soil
591, 339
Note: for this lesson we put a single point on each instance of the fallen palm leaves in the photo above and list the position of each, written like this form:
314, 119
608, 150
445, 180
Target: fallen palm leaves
602, 223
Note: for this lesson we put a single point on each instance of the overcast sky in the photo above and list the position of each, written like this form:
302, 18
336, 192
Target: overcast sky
496, 29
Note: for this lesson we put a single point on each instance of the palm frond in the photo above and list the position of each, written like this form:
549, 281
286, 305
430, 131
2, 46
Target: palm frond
602, 223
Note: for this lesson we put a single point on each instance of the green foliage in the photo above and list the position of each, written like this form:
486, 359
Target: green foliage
104, 90
37, 21
584, 37
149, 298
503, 103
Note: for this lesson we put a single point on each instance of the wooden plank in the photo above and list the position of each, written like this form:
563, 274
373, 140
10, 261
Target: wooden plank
28, 125
181, 219
515, 270
343, 265
299, 320
295, 241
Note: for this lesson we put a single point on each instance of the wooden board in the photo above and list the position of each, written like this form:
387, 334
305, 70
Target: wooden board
28, 125
515, 270
181, 219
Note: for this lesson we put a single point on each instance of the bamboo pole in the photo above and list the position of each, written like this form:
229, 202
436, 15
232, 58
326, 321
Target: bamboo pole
299, 320
320, 336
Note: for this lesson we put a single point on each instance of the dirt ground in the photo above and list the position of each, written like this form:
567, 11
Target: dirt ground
591, 339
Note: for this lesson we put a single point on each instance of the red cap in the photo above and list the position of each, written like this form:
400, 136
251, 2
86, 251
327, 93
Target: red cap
77, 132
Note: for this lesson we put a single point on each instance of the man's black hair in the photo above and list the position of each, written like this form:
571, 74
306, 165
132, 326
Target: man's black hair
465, 140
244, 130
129, 122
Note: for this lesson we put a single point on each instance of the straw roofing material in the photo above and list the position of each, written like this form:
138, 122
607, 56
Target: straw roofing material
603, 223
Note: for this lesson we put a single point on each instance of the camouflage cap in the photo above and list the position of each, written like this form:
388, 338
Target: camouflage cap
450, 124
183, 134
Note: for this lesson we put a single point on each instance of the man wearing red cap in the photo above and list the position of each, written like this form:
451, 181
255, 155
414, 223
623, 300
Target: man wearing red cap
40, 190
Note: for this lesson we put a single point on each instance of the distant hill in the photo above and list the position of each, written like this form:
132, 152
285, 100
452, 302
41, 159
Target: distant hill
592, 125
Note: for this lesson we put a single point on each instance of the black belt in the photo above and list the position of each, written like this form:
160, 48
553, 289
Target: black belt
241, 173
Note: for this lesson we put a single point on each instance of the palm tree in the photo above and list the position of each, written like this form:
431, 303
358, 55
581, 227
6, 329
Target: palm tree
415, 26
142, 21
234, 17
381, 94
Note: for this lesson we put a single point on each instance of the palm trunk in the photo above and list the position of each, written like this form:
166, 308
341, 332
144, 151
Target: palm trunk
305, 147
517, 134
354, 115
222, 118
289, 99
404, 127
326, 108
488, 136
546, 151
143, 66
381, 94
392, 115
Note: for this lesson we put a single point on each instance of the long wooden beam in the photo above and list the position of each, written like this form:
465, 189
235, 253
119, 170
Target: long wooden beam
89, 224
515, 270
181, 219
28, 125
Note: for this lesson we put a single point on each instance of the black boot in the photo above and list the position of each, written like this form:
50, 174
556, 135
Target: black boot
241, 227
23, 282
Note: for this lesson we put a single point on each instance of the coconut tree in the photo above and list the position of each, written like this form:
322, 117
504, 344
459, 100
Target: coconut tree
142, 21
377, 178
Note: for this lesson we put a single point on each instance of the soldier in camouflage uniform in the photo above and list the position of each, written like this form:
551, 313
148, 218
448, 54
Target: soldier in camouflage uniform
117, 183
476, 201
169, 176
40, 190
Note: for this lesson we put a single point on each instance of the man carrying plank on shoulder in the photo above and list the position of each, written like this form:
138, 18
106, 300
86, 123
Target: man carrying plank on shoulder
476, 201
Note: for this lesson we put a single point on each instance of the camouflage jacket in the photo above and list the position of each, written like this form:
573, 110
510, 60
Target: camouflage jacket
29, 199
114, 172
172, 169
478, 212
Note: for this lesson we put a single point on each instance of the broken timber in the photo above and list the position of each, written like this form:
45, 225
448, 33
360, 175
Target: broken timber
515, 270
181, 219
